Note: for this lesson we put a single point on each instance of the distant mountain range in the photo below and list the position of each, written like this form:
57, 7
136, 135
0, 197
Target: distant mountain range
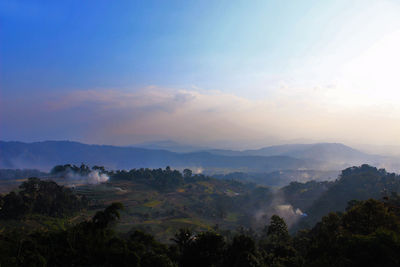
323, 156
327, 152
170, 146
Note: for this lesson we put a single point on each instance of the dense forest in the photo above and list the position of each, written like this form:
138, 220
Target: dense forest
367, 234
162, 217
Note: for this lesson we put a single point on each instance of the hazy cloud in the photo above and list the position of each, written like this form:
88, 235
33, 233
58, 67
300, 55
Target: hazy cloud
198, 116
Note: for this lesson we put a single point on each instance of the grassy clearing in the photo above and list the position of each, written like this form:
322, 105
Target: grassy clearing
152, 204
232, 217
191, 221
209, 187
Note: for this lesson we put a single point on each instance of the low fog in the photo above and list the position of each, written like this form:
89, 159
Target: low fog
278, 206
93, 177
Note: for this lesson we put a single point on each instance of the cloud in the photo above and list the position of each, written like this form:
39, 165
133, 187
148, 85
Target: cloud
198, 116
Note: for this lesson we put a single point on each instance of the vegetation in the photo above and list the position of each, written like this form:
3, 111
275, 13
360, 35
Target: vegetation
40, 197
160, 201
170, 218
355, 183
367, 234
280, 178
162, 180
304, 195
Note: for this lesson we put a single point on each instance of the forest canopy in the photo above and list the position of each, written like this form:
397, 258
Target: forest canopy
365, 231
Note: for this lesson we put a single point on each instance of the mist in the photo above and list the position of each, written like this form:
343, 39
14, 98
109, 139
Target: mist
94, 177
278, 206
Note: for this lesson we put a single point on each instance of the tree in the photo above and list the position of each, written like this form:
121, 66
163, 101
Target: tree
187, 173
277, 244
207, 250
277, 230
242, 252
366, 217
183, 239
105, 218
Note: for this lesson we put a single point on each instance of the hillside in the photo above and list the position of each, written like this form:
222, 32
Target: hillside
281, 178
159, 201
163, 200
355, 183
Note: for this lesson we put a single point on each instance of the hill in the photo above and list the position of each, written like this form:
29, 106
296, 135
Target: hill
159, 201
354, 184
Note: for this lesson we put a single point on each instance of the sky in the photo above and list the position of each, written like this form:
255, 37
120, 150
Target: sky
221, 73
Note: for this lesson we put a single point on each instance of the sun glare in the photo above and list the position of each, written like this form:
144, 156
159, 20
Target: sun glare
374, 73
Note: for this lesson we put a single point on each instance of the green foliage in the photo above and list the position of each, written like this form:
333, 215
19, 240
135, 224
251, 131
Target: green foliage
277, 230
368, 216
368, 234
183, 239
83, 170
303, 195
162, 201
163, 180
277, 244
243, 252
40, 197
207, 249
187, 173
355, 183
365, 233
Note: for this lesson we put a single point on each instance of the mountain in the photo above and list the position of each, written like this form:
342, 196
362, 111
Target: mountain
328, 152
170, 146
324, 151
331, 155
45, 155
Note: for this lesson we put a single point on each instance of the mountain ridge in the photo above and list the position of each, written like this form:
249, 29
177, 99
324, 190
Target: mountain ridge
44, 155
321, 156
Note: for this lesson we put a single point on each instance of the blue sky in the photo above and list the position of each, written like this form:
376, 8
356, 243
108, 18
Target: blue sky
269, 59
50, 45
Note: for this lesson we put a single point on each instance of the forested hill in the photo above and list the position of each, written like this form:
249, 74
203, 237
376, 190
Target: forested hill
366, 234
158, 199
44, 155
354, 184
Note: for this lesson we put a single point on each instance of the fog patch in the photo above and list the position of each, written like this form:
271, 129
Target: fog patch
278, 206
96, 177
93, 177
198, 170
